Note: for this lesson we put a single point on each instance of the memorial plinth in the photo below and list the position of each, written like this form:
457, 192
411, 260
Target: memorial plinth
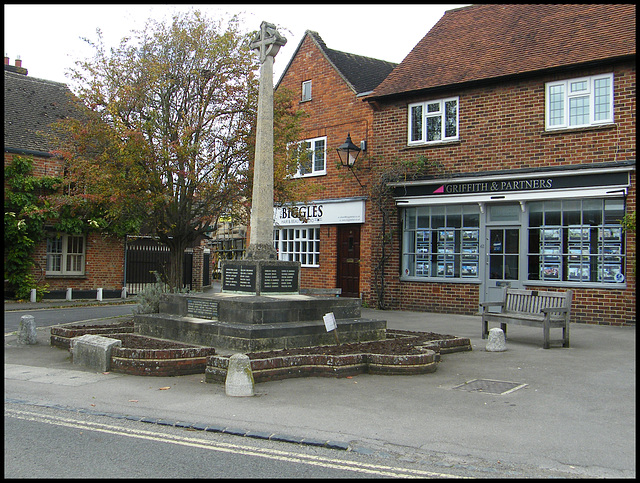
247, 322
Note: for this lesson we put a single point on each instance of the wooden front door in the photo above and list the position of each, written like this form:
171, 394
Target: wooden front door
349, 260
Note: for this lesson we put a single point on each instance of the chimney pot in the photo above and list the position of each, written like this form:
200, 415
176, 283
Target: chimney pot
6, 59
18, 62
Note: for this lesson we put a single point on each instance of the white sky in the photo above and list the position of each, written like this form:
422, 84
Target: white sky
48, 38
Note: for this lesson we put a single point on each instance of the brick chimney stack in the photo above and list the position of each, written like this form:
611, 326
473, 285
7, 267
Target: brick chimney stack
18, 69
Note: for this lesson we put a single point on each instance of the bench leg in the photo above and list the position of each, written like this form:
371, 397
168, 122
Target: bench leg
504, 329
545, 332
485, 328
565, 334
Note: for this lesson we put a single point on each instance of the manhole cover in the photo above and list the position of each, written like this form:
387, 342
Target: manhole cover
492, 387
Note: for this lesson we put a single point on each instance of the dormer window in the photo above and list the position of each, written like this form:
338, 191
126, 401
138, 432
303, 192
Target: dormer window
306, 91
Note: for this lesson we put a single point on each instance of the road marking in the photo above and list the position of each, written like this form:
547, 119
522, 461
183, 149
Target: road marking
60, 377
333, 463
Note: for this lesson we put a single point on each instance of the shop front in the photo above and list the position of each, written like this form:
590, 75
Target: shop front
324, 236
555, 228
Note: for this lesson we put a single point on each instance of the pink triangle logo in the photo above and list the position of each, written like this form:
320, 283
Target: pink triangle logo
439, 190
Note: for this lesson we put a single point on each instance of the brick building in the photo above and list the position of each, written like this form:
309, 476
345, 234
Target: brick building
82, 262
330, 243
527, 115
529, 111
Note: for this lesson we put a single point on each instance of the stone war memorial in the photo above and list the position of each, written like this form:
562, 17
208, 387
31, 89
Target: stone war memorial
260, 306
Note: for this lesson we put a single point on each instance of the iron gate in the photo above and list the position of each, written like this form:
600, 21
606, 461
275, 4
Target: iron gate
146, 255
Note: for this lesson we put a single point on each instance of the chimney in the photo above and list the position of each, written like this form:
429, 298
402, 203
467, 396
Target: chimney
17, 69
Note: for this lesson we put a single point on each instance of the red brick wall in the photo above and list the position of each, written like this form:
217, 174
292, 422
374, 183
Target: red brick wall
502, 127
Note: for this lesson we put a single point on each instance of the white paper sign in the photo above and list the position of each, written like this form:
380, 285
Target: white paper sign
330, 321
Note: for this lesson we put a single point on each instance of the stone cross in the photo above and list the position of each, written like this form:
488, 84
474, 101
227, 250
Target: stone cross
267, 42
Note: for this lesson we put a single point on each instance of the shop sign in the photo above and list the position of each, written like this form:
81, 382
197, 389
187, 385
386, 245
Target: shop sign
320, 213
503, 185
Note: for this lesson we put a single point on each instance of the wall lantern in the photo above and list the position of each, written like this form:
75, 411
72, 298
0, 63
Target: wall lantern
348, 152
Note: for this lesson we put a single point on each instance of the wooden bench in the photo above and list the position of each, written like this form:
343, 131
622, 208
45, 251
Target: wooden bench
533, 308
321, 291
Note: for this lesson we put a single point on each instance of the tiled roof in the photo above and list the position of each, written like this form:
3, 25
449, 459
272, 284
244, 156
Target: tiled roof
362, 73
30, 106
482, 42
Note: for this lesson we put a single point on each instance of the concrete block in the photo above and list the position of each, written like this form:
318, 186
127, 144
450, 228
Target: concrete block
239, 380
27, 330
93, 351
496, 342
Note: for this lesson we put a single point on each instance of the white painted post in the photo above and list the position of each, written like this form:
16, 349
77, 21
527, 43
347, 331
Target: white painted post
69, 293
33, 295
99, 295
124, 293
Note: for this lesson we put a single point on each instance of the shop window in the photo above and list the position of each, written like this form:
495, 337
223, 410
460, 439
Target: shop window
433, 121
577, 241
300, 244
65, 255
574, 103
441, 242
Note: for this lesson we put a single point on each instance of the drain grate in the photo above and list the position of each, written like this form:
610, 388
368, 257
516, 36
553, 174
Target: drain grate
492, 387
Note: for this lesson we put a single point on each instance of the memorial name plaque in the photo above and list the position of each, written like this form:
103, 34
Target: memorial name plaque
204, 309
239, 278
279, 279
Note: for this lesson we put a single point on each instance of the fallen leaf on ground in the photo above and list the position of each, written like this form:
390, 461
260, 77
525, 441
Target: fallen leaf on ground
164, 388
133, 400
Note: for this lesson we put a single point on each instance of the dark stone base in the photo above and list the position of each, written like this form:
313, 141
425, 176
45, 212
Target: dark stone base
260, 277
251, 323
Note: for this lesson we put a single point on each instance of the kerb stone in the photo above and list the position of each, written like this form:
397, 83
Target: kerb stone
93, 351
239, 380
496, 342
27, 333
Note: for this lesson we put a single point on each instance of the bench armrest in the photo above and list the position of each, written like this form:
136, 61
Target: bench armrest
555, 309
485, 305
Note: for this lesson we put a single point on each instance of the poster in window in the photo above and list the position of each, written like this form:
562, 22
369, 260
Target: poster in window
551, 253
611, 273
445, 235
423, 268
551, 234
611, 233
578, 233
577, 251
469, 269
550, 272
470, 235
578, 272
445, 269
610, 253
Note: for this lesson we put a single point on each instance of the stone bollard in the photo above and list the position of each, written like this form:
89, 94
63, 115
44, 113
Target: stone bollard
239, 380
496, 341
99, 295
27, 333
69, 293
34, 296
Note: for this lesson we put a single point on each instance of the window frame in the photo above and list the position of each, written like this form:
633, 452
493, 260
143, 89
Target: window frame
306, 96
312, 150
290, 247
567, 96
65, 257
441, 114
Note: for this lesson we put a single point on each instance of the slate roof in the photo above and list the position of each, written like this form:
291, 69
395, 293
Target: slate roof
361, 73
482, 42
30, 106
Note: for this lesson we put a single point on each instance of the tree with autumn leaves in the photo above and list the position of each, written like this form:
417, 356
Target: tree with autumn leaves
167, 142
